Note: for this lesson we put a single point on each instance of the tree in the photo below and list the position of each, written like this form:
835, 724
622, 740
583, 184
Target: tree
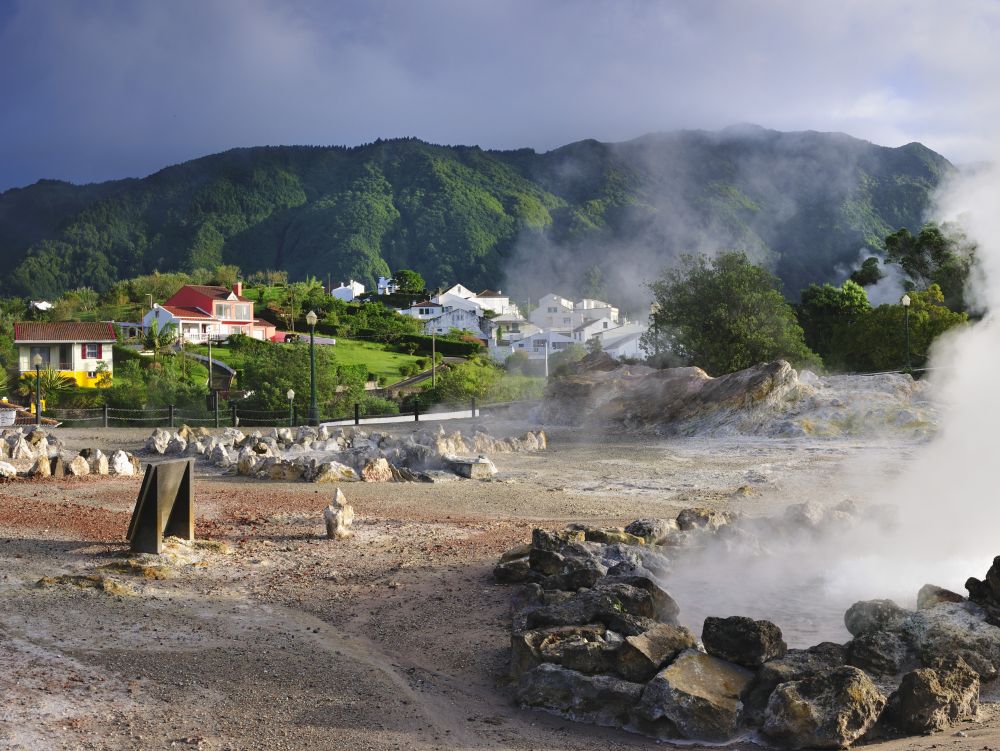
724, 314
156, 340
409, 281
828, 314
940, 255
869, 273
878, 340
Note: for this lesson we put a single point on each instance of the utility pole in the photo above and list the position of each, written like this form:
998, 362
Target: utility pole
546, 355
210, 362
433, 357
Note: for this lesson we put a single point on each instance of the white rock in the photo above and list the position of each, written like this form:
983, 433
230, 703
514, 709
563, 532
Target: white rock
121, 464
159, 441
339, 516
7, 470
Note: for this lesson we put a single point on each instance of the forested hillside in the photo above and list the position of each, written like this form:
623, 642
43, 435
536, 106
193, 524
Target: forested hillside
585, 216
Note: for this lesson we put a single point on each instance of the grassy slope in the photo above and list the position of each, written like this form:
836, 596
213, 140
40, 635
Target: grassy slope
348, 352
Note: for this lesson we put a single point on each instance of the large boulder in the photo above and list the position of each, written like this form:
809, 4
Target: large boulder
931, 595
794, 666
159, 441
695, 697
590, 648
653, 531
828, 710
334, 472
598, 699
874, 615
881, 653
377, 470
743, 640
703, 519
643, 655
285, 471
955, 630
176, 445
931, 699
599, 605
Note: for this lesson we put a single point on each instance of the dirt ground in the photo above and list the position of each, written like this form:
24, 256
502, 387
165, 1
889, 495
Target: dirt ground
281, 639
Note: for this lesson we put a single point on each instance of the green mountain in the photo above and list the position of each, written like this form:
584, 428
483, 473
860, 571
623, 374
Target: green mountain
584, 217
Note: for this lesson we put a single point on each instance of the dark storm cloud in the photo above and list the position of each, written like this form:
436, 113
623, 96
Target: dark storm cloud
100, 89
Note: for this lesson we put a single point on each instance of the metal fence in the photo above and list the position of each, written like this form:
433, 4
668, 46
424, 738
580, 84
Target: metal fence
234, 415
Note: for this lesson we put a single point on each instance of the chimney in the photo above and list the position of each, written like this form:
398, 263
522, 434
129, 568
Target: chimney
238, 289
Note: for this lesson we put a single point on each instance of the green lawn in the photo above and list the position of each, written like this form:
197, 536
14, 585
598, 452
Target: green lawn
372, 355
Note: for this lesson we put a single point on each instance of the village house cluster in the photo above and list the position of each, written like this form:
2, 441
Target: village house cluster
200, 313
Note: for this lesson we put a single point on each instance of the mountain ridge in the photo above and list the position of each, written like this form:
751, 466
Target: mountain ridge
587, 216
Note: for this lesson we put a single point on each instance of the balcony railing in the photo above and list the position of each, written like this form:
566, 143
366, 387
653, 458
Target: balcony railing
48, 366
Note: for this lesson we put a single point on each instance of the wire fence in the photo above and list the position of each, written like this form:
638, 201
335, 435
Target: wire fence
234, 415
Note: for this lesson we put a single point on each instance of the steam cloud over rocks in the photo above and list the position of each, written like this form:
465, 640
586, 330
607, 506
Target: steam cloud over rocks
767, 400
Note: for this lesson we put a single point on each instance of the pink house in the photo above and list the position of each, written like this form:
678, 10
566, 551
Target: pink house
200, 312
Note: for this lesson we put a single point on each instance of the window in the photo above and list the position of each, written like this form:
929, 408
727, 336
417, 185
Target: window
91, 351
566, 320
605, 324
553, 310
44, 352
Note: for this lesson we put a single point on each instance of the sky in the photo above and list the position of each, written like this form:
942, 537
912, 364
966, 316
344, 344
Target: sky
98, 89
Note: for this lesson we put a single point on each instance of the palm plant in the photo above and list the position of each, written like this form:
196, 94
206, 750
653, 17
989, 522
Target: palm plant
157, 340
53, 384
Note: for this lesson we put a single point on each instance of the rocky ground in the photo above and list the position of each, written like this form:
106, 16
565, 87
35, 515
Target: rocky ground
265, 635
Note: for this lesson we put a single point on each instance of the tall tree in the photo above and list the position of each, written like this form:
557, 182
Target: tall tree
724, 314
409, 281
828, 314
940, 255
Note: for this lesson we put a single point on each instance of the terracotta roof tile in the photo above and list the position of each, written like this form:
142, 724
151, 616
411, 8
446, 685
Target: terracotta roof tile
63, 331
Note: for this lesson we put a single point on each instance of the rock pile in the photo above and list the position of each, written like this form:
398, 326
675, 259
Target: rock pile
321, 455
34, 452
595, 638
768, 399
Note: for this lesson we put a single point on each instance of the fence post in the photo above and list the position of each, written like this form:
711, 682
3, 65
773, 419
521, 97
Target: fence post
473, 406
171, 413
232, 409
416, 409
215, 404
357, 413
105, 414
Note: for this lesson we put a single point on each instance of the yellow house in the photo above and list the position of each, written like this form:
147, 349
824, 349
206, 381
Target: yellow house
77, 350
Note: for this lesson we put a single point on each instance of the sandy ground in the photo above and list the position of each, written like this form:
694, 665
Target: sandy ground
396, 639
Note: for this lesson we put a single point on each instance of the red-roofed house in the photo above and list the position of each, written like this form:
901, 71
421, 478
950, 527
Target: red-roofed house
81, 351
200, 312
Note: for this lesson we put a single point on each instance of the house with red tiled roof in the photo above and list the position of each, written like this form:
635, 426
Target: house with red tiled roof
81, 351
200, 312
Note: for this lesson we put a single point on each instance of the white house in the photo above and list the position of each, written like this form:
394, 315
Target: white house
348, 292
424, 311
586, 331
458, 318
498, 302
624, 345
553, 312
560, 314
588, 309
542, 343
459, 290
81, 351
386, 286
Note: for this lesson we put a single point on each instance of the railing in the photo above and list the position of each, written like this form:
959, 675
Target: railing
235, 415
